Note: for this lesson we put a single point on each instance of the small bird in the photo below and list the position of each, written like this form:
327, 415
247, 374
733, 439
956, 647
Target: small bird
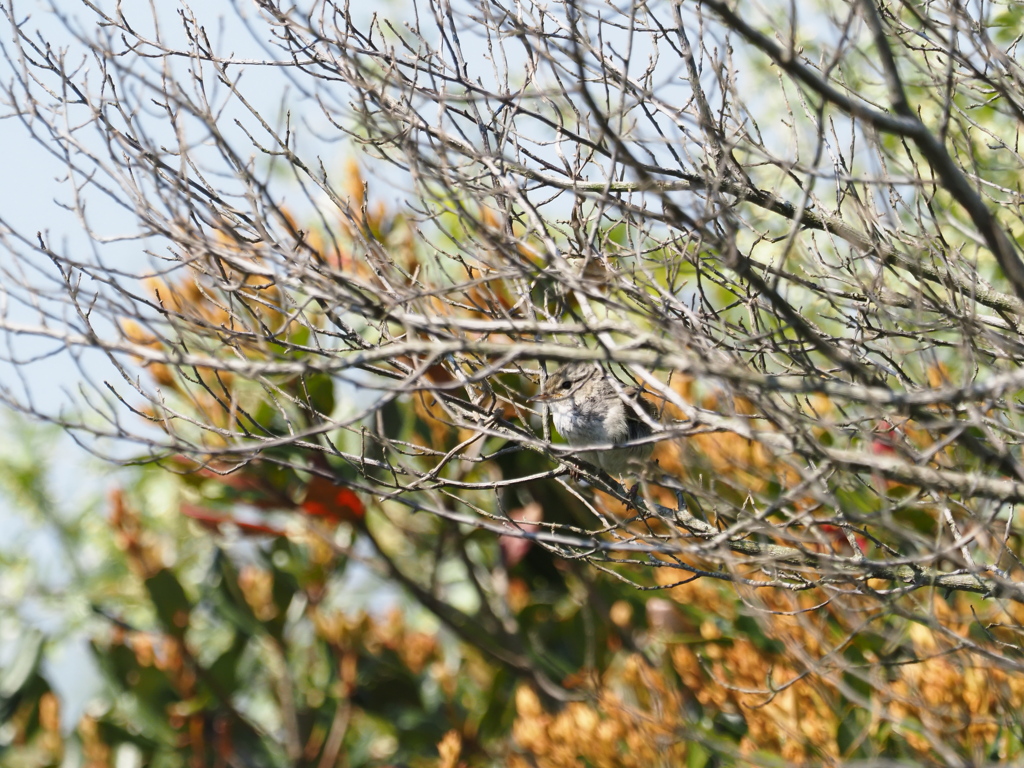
589, 410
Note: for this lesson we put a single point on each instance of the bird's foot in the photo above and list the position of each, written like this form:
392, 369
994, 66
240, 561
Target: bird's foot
633, 494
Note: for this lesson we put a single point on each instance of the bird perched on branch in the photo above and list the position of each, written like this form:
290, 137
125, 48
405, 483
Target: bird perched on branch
592, 410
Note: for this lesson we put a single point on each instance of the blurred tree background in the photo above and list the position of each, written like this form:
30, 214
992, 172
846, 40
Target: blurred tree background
342, 534
267, 616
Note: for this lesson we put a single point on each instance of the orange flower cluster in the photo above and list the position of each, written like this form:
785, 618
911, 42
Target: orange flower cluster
607, 732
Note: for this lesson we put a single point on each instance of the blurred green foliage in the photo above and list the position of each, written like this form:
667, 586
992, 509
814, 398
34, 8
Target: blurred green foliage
226, 627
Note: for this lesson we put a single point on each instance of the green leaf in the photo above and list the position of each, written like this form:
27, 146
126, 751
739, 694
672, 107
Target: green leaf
228, 598
731, 723
696, 755
25, 662
500, 712
752, 630
850, 731
169, 600
223, 673
319, 391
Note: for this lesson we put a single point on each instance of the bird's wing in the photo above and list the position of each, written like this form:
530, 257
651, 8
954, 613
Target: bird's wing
637, 428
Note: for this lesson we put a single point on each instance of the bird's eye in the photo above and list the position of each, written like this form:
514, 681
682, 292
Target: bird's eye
566, 385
